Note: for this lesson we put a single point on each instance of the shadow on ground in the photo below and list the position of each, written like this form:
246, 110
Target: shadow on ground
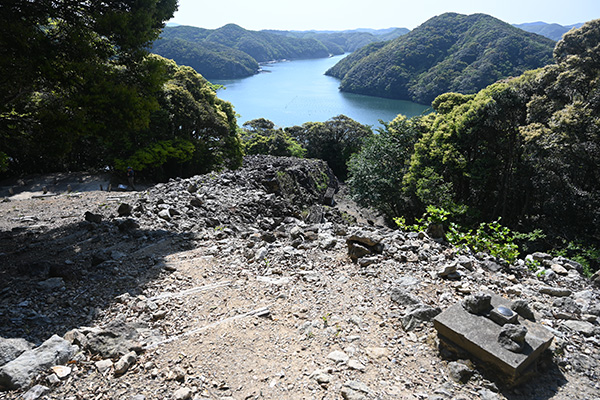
52, 281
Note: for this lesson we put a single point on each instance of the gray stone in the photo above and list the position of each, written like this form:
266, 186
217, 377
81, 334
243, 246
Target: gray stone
296, 232
165, 214
327, 242
512, 337
365, 238
377, 352
338, 356
124, 210
541, 257
402, 297
366, 261
447, 270
52, 284
12, 348
487, 394
91, 217
321, 376
19, 372
357, 250
521, 307
567, 305
559, 269
125, 362
418, 314
114, 340
491, 266
596, 278
459, 372
328, 196
355, 390
466, 262
583, 327
479, 303
103, 365
555, 291
355, 364
35, 392
478, 335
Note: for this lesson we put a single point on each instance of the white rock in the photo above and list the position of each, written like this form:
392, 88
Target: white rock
338, 356
355, 364
61, 371
183, 394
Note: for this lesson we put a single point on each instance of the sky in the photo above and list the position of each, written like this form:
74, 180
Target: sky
376, 14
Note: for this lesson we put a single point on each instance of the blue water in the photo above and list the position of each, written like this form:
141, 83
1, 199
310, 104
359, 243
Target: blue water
294, 92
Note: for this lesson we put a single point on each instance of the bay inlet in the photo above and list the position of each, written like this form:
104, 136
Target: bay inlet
294, 92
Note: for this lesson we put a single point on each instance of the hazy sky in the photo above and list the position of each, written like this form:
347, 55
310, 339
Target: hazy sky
351, 14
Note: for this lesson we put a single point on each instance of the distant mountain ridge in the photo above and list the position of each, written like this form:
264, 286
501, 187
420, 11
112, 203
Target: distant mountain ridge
448, 53
233, 52
551, 31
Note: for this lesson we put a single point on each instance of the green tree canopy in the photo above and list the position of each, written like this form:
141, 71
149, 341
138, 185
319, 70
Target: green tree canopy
334, 141
377, 170
72, 68
259, 136
526, 149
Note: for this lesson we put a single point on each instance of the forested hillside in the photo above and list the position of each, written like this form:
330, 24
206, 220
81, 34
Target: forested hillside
551, 31
525, 150
347, 41
232, 51
451, 52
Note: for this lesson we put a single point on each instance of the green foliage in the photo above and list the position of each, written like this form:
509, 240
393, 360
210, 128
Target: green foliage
212, 60
377, 170
489, 237
524, 150
334, 141
586, 255
448, 53
157, 154
115, 107
433, 216
532, 265
73, 75
259, 136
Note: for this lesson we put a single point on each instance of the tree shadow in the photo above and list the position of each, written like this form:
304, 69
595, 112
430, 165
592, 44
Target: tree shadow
540, 381
544, 382
52, 281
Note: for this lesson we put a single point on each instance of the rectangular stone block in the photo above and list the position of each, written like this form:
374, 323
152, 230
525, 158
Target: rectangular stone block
478, 335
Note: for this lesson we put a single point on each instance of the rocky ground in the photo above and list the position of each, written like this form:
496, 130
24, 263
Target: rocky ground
240, 285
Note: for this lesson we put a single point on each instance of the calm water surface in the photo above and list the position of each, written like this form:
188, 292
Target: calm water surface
294, 92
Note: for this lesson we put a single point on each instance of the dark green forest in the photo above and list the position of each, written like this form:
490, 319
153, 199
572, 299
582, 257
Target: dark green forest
448, 53
234, 52
80, 91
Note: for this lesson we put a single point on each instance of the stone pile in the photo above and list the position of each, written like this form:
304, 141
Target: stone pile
244, 284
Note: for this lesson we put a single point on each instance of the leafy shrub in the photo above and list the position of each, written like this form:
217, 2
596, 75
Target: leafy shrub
259, 136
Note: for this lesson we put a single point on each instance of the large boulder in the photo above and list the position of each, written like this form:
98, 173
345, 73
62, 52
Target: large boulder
20, 372
12, 348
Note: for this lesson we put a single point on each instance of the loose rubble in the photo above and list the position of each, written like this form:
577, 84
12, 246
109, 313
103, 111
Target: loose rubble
252, 284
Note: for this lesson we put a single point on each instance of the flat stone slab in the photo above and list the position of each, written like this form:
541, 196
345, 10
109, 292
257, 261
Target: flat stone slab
478, 335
